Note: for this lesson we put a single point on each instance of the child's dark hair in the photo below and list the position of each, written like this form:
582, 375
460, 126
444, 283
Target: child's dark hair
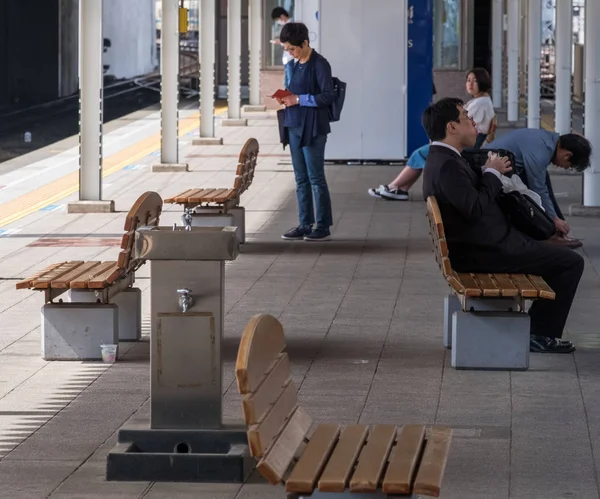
277, 12
484, 80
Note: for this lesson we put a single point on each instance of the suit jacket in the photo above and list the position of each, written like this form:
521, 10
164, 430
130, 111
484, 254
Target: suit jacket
477, 230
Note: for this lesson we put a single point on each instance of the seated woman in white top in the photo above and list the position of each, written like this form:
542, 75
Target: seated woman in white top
480, 107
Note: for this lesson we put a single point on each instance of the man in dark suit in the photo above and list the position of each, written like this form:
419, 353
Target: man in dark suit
480, 238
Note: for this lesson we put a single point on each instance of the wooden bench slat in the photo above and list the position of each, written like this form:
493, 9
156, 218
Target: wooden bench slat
255, 405
82, 281
308, 469
262, 341
507, 288
185, 195
278, 458
28, 282
128, 239
455, 284
373, 458
433, 464
44, 281
405, 458
64, 281
526, 289
471, 286
199, 196
337, 472
101, 280
487, 285
433, 210
226, 196
446, 267
443, 248
124, 258
260, 436
214, 195
544, 290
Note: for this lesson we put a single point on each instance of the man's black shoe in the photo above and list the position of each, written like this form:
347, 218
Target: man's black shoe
544, 344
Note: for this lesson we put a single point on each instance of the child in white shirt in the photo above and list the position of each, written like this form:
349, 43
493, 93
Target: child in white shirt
480, 108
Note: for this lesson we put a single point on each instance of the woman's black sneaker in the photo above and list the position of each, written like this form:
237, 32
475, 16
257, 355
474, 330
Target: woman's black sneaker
297, 233
318, 235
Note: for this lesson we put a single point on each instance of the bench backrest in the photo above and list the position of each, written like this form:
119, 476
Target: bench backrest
438, 236
492, 131
246, 166
440, 246
145, 212
276, 425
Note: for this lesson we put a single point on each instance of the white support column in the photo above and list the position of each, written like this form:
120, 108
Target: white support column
234, 64
564, 47
534, 28
207, 74
255, 45
169, 90
513, 60
90, 111
591, 179
497, 31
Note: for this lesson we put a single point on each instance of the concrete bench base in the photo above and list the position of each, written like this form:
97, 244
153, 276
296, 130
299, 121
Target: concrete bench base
490, 340
129, 302
452, 304
214, 217
75, 331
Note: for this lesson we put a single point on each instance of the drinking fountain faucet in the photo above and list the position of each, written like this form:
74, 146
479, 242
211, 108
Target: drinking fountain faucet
186, 300
187, 219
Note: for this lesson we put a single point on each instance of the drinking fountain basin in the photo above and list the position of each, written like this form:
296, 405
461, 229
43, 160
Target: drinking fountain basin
186, 243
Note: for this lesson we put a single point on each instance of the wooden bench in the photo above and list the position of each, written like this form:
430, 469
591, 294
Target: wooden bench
374, 460
103, 306
221, 206
485, 319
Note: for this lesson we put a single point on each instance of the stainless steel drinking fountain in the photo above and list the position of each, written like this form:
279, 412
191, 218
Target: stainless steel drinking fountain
185, 438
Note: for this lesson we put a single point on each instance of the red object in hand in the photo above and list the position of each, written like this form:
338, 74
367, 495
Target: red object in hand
280, 94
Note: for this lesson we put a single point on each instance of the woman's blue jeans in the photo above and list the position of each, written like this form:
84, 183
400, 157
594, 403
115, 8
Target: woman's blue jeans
309, 170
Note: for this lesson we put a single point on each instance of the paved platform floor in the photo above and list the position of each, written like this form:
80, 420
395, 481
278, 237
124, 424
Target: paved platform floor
363, 318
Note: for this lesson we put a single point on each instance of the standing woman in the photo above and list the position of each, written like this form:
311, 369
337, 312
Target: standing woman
480, 107
306, 121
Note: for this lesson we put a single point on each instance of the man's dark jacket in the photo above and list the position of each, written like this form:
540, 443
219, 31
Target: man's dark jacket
476, 229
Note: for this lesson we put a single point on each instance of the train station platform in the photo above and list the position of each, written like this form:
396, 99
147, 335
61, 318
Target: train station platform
363, 317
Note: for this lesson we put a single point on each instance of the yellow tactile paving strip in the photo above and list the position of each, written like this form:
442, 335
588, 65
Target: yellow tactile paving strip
58, 189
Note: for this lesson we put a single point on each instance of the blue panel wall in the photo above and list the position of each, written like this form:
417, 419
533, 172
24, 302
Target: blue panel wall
420, 69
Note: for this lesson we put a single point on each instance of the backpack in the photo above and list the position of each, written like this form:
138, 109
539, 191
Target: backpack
335, 109
339, 87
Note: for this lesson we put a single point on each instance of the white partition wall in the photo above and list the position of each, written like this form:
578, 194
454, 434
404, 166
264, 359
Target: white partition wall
307, 12
368, 51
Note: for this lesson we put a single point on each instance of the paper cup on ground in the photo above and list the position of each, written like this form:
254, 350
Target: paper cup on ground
109, 353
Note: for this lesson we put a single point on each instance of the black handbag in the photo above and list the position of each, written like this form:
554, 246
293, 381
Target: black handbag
478, 157
526, 216
283, 131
